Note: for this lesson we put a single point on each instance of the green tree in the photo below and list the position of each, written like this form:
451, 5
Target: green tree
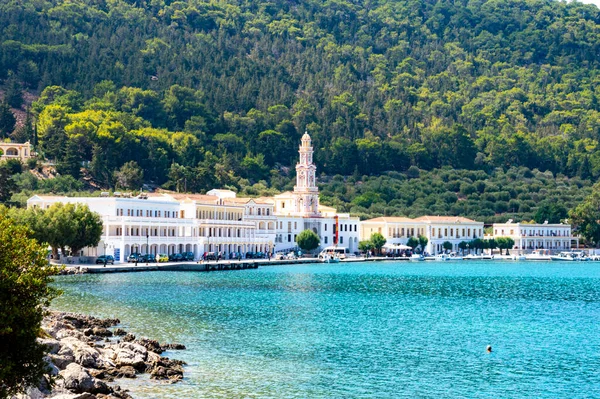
62, 226
377, 241
412, 242
7, 183
462, 246
550, 212
422, 242
365, 245
447, 245
308, 240
26, 132
586, 215
70, 162
130, 176
505, 243
491, 244
7, 120
24, 294
86, 228
14, 92
477, 244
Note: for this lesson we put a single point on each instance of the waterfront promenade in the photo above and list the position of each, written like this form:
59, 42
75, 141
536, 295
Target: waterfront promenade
206, 265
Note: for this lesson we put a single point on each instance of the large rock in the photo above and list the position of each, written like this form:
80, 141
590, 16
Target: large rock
150, 344
61, 361
86, 357
126, 357
102, 332
52, 344
128, 338
77, 379
53, 370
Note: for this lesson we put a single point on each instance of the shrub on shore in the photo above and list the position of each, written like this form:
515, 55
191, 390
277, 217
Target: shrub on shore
24, 293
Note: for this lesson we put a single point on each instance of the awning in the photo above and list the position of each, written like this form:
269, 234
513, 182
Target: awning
396, 246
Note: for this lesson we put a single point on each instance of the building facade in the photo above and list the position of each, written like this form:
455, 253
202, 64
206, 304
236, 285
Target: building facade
531, 236
217, 222
171, 223
437, 230
22, 152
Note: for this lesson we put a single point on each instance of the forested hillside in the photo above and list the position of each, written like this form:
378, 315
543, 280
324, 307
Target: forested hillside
198, 94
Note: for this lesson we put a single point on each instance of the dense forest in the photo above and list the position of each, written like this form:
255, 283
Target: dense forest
481, 108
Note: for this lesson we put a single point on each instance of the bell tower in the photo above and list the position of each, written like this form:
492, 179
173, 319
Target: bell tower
306, 190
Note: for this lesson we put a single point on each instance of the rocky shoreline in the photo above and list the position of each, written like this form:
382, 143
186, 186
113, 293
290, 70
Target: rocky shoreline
86, 356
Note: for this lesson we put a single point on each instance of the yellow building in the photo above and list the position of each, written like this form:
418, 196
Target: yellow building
18, 151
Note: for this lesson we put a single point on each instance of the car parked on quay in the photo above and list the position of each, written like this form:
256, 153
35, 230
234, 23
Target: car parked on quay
105, 259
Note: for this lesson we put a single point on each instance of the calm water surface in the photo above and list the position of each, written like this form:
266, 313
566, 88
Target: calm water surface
363, 330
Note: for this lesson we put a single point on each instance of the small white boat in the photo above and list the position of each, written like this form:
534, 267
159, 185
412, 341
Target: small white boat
417, 257
570, 257
473, 257
454, 256
442, 257
539, 254
330, 259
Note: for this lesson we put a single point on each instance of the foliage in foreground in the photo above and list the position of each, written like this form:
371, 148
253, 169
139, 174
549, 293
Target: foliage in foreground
24, 292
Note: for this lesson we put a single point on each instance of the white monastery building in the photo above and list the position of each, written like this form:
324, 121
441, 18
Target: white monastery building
437, 229
216, 222
530, 236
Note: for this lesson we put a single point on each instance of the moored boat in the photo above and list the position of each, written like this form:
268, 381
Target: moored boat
570, 257
539, 254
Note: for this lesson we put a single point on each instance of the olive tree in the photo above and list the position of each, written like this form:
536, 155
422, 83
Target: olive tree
377, 241
62, 226
447, 245
413, 242
308, 240
422, 242
24, 293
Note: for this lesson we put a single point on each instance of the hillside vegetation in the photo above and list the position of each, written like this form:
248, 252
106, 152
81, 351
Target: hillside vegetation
437, 96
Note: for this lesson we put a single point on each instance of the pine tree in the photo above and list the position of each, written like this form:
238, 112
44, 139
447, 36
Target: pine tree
14, 92
7, 120
24, 133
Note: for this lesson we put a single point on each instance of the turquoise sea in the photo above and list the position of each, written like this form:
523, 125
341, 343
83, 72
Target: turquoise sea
363, 330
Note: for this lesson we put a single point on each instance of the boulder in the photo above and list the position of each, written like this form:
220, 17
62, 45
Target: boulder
127, 371
68, 332
52, 344
119, 332
128, 338
102, 332
86, 357
53, 370
77, 379
61, 361
126, 357
173, 346
135, 348
150, 344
